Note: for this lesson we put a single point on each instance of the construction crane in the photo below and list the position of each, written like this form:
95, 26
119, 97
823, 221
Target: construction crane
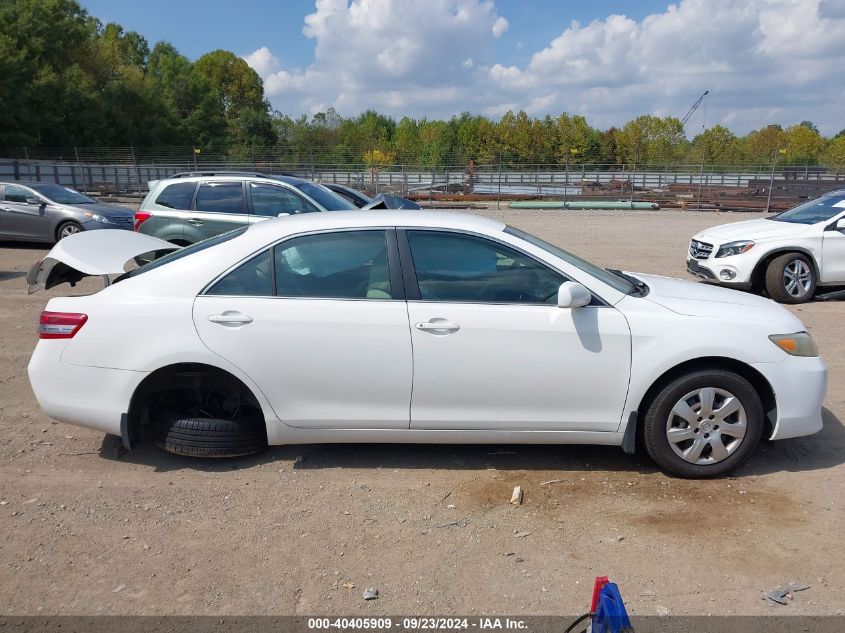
693, 108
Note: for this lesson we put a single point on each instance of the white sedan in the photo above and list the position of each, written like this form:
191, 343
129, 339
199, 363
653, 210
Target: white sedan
788, 254
426, 327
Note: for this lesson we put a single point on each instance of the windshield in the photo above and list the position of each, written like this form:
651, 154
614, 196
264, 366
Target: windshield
327, 199
62, 195
614, 281
818, 210
183, 252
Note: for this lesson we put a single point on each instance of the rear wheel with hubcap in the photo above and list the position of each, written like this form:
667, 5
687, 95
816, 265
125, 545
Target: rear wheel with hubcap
704, 424
791, 278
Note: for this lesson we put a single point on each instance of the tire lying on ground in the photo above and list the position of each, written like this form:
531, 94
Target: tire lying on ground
179, 433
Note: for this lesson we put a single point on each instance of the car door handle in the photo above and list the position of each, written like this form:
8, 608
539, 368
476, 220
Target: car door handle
230, 319
441, 326
195, 221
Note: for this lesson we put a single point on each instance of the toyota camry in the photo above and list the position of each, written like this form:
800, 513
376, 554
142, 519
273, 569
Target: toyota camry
427, 327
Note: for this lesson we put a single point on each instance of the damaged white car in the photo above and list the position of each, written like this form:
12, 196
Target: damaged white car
426, 327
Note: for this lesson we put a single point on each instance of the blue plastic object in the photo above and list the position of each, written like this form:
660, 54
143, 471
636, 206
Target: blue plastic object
609, 614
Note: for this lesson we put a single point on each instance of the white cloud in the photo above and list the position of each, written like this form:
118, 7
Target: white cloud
263, 61
762, 60
499, 26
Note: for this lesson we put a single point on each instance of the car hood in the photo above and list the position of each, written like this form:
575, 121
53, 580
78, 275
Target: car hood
704, 300
107, 210
89, 253
752, 230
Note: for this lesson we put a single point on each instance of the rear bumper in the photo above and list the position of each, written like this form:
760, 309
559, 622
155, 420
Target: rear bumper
92, 397
800, 385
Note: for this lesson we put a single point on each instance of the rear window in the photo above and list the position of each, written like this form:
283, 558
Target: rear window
177, 195
221, 197
183, 252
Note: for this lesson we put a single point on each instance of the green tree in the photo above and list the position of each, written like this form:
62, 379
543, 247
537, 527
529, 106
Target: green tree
406, 141
46, 50
804, 144
650, 139
834, 153
716, 146
762, 146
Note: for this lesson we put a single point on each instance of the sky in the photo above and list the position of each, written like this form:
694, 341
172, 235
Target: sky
763, 61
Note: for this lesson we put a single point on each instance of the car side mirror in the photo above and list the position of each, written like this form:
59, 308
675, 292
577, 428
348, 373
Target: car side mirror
282, 215
840, 225
573, 295
33, 200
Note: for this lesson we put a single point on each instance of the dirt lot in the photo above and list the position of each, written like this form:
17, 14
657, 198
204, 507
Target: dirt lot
273, 534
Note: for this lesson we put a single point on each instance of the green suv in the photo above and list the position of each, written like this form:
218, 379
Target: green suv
190, 207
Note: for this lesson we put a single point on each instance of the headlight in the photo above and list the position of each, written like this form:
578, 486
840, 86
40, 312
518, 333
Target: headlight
798, 344
735, 248
99, 218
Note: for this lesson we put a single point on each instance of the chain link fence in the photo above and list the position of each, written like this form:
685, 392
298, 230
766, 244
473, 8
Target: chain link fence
124, 172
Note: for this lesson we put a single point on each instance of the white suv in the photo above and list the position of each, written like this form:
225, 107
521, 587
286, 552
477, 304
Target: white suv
789, 254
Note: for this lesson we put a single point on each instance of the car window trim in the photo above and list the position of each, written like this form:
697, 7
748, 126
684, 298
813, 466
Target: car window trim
394, 269
412, 287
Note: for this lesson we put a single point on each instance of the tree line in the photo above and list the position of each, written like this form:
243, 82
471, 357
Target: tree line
66, 79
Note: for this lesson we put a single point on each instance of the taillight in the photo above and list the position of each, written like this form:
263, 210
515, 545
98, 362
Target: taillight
60, 324
140, 218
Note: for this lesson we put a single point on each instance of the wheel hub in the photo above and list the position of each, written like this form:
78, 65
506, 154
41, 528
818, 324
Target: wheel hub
797, 278
706, 426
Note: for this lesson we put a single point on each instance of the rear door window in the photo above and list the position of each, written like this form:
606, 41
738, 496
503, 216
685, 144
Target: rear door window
221, 197
177, 196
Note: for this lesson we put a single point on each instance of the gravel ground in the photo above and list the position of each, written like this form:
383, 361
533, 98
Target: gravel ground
305, 530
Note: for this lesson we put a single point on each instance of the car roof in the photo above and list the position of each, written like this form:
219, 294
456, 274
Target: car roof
193, 177
270, 230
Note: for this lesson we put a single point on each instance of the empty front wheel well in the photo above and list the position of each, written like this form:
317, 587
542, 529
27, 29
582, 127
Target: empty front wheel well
193, 387
757, 380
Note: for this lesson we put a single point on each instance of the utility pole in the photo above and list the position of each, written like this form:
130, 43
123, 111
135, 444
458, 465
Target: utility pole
772, 180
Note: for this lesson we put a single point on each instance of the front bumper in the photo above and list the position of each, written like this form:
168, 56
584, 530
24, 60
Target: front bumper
707, 271
93, 225
799, 385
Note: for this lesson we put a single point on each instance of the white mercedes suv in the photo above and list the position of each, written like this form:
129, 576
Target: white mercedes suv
788, 254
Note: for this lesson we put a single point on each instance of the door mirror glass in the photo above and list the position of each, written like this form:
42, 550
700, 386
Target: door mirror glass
33, 200
840, 224
573, 295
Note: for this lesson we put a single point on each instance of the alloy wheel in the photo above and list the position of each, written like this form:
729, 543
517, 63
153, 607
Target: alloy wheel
68, 229
706, 426
797, 278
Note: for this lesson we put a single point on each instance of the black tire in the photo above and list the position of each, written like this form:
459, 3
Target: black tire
65, 227
656, 424
777, 284
209, 437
